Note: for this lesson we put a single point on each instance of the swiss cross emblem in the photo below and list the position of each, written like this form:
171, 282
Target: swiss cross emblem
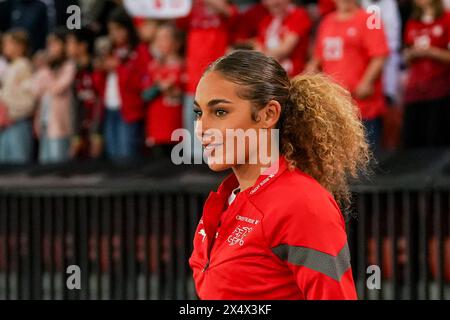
238, 235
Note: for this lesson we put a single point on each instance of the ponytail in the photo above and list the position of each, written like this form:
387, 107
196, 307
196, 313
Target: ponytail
322, 135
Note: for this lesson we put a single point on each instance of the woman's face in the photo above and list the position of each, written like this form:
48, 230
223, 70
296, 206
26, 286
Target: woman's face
147, 31
72, 47
345, 5
55, 48
118, 34
11, 48
219, 112
164, 42
277, 7
423, 3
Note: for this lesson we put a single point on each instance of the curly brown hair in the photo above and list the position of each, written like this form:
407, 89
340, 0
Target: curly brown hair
320, 127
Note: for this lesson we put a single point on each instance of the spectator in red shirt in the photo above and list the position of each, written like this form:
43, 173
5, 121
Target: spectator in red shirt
164, 97
284, 34
146, 29
208, 28
326, 7
353, 52
427, 92
274, 229
246, 29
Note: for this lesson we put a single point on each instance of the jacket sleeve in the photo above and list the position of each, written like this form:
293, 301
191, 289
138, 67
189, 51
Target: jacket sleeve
310, 239
64, 80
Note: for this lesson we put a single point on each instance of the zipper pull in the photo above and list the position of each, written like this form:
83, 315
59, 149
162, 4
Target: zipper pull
206, 266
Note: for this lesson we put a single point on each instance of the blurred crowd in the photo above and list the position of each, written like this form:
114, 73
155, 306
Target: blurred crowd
118, 87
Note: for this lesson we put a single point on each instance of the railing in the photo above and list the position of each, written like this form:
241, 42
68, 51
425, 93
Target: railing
132, 240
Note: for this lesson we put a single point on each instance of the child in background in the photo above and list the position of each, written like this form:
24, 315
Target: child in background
16, 101
146, 29
245, 32
164, 97
122, 84
87, 140
53, 86
284, 34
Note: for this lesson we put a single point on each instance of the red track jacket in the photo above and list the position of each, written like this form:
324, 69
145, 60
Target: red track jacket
131, 74
283, 238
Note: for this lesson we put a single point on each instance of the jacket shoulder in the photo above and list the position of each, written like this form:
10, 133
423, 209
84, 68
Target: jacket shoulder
297, 210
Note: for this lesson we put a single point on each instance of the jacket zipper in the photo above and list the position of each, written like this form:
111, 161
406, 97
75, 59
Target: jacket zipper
205, 266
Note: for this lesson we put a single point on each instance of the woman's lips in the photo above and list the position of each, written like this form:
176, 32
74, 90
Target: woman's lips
212, 146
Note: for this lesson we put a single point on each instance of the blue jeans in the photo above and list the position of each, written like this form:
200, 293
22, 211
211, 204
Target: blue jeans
53, 150
123, 140
16, 143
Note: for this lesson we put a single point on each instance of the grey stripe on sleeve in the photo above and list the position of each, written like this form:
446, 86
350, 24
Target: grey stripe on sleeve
332, 266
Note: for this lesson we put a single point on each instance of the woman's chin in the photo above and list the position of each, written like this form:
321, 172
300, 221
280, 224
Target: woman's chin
214, 166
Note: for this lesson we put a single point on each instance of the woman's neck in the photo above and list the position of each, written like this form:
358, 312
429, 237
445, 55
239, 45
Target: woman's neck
247, 174
428, 11
14, 58
347, 13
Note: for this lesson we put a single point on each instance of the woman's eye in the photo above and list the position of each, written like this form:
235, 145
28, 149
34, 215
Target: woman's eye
197, 114
220, 113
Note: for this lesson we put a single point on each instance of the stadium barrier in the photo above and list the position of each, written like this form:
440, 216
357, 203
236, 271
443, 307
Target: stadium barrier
132, 237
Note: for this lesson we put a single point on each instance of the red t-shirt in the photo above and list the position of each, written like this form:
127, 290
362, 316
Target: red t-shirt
345, 48
428, 78
326, 6
273, 30
208, 36
164, 114
247, 26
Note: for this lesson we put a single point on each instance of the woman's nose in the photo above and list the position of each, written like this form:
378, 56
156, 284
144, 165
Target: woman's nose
199, 129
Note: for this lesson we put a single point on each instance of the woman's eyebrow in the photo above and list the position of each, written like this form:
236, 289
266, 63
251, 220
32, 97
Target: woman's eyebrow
214, 102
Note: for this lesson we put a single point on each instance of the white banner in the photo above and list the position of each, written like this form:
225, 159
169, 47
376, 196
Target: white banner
158, 9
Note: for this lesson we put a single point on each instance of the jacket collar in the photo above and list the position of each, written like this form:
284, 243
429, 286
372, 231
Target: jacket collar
230, 182
216, 203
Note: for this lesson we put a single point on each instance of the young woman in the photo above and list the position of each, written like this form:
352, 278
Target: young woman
87, 107
16, 101
164, 95
52, 85
208, 30
353, 52
427, 92
278, 234
284, 34
121, 90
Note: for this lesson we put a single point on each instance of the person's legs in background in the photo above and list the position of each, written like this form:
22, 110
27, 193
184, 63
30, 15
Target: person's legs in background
420, 125
111, 133
53, 150
16, 143
44, 153
130, 139
3, 146
59, 150
440, 119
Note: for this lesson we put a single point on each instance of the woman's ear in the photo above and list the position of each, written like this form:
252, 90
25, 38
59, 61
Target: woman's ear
270, 114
